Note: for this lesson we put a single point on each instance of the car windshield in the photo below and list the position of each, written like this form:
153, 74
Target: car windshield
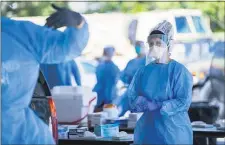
182, 25
198, 24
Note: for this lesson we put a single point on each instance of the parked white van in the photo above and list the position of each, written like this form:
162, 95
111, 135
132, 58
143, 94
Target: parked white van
191, 31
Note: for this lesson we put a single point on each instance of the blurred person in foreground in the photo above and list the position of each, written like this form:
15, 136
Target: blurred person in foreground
127, 75
61, 74
107, 74
162, 90
24, 47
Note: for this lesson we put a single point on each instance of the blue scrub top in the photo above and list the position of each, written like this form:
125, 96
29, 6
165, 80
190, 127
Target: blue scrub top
107, 74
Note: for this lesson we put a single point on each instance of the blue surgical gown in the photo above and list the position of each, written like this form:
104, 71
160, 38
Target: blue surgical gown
131, 68
163, 93
127, 76
107, 74
60, 74
24, 47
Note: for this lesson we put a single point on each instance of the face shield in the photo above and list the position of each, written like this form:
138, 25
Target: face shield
157, 49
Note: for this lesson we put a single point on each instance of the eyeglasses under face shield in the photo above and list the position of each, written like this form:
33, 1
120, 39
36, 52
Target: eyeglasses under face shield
159, 40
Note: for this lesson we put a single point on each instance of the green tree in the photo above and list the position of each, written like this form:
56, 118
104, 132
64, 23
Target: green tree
215, 10
22, 9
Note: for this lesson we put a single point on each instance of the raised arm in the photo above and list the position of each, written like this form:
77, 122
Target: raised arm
53, 46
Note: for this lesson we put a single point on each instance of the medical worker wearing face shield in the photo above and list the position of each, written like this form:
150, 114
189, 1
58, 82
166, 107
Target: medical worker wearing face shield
134, 64
24, 47
107, 74
162, 91
127, 75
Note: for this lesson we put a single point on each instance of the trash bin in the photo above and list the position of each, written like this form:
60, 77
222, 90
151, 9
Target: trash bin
203, 111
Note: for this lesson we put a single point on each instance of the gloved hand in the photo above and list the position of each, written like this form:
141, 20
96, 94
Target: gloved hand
64, 17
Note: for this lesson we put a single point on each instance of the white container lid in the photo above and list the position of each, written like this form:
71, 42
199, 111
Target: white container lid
81, 95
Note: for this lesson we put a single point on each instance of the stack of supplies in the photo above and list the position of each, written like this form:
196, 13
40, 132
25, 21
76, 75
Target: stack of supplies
77, 132
96, 119
133, 118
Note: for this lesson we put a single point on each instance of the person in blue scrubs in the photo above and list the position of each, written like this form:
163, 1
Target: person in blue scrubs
60, 74
24, 47
162, 90
107, 74
127, 75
